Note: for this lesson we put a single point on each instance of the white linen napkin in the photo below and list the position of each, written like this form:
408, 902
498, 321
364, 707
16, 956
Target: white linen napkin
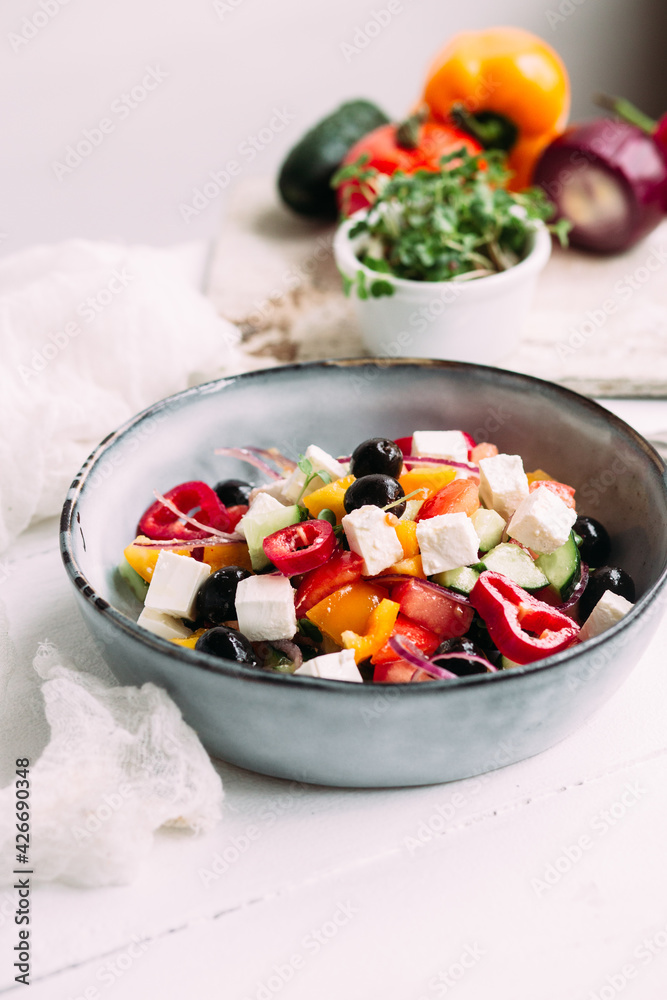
90, 334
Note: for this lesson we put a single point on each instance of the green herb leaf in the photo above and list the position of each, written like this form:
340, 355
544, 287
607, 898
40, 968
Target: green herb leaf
311, 631
439, 226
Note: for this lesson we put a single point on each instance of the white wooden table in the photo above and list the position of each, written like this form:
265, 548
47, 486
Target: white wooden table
544, 880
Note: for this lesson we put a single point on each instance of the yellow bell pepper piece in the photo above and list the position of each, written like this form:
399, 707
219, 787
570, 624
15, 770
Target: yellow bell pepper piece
539, 476
508, 72
410, 566
380, 626
429, 481
190, 641
348, 608
229, 554
407, 536
329, 497
142, 558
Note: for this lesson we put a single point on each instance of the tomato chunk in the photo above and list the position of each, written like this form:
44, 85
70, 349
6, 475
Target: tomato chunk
562, 490
421, 602
459, 495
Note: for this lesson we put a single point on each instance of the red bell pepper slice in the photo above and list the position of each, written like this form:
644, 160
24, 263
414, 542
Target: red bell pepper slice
523, 628
301, 547
158, 522
343, 567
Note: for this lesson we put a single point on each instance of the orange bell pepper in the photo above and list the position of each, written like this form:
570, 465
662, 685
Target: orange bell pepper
379, 627
509, 88
407, 536
348, 608
329, 497
428, 481
142, 558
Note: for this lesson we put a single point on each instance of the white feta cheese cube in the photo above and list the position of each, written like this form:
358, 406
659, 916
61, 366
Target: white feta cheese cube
273, 489
502, 483
441, 444
262, 504
174, 584
321, 461
542, 521
370, 535
265, 608
163, 625
334, 666
608, 610
447, 541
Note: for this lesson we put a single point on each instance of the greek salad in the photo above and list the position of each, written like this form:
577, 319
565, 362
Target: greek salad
430, 557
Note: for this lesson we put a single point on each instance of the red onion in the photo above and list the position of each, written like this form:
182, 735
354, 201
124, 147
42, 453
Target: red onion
247, 455
402, 577
187, 543
290, 649
273, 455
577, 592
432, 460
414, 656
473, 657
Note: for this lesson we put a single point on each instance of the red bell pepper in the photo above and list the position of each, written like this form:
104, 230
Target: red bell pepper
299, 548
523, 628
343, 567
159, 522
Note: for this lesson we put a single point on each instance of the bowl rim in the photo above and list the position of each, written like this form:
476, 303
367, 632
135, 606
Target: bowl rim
533, 262
202, 661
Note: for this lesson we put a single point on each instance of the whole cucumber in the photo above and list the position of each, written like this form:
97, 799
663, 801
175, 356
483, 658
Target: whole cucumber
304, 181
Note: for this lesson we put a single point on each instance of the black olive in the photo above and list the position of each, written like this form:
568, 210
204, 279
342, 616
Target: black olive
229, 644
376, 455
605, 578
595, 546
377, 490
462, 667
233, 491
216, 596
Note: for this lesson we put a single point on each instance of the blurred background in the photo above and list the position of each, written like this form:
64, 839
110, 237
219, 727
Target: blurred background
185, 88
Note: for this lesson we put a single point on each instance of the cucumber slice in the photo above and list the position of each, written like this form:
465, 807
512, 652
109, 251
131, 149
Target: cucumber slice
507, 664
489, 526
136, 583
257, 528
516, 564
461, 579
562, 567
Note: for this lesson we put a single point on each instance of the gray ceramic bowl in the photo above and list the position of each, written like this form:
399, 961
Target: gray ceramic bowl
337, 733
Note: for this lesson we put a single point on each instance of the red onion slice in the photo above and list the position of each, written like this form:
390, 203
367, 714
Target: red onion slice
473, 657
290, 649
391, 578
247, 455
187, 543
433, 460
577, 592
273, 455
414, 656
